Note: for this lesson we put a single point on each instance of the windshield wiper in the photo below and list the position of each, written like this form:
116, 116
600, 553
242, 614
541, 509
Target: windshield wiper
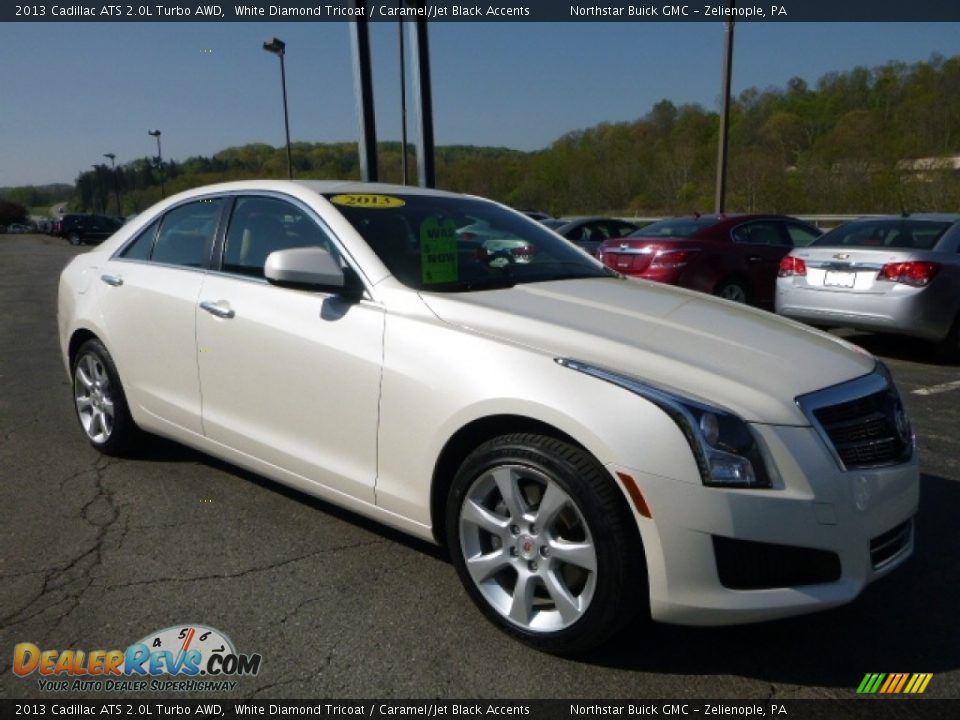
582, 275
496, 283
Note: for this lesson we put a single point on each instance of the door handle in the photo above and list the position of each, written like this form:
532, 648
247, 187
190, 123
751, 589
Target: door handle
112, 280
754, 258
216, 308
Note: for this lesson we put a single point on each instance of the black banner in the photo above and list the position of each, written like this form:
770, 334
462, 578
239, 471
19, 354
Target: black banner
489, 11
867, 708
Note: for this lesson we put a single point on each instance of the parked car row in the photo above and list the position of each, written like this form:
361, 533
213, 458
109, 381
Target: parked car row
15, 228
896, 274
80, 229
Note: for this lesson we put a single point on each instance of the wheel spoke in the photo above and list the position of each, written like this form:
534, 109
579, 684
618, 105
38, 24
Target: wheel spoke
83, 404
510, 492
96, 424
108, 408
106, 422
567, 605
475, 513
554, 500
100, 374
84, 378
580, 554
521, 604
483, 567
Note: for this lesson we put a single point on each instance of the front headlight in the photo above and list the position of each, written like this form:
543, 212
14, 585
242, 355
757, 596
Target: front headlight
726, 450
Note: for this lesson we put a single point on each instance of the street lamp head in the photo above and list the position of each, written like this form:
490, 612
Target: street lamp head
275, 46
155, 133
110, 155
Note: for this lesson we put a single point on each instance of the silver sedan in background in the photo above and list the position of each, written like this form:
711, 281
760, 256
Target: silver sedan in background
898, 274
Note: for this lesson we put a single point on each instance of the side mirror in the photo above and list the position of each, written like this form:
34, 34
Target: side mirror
309, 268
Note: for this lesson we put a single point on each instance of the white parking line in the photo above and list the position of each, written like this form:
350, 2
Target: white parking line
934, 389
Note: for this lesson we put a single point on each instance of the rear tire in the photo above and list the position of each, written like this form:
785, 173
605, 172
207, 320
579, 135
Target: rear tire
544, 543
100, 402
74, 239
734, 290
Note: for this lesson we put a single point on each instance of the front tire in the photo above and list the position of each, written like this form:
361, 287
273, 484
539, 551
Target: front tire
544, 543
100, 402
74, 239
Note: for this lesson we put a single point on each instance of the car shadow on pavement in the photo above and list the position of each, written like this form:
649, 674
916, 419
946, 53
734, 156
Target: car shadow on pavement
153, 448
906, 622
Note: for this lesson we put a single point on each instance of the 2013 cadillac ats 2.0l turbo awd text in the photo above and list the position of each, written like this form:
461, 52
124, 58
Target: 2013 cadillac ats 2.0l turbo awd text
588, 447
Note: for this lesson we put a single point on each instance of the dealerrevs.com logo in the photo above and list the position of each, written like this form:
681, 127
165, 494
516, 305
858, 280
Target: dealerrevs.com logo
182, 658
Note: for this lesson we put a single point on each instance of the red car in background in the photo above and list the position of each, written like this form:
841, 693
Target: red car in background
733, 256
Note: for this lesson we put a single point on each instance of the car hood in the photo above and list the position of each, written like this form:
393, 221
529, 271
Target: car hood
746, 360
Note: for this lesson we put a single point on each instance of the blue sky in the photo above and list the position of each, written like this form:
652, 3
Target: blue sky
71, 92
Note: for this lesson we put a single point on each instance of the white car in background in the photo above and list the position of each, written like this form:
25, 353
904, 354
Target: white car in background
586, 446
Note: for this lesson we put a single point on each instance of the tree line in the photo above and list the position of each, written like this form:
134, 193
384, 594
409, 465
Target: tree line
854, 142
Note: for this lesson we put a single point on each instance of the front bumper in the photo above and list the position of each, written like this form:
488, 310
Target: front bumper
815, 507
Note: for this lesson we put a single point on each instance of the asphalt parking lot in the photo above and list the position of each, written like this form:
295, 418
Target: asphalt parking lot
97, 553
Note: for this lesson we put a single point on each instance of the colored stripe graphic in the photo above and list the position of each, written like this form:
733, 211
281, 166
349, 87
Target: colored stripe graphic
894, 683
871, 683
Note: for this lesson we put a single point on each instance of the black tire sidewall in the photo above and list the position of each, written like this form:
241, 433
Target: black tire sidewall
731, 283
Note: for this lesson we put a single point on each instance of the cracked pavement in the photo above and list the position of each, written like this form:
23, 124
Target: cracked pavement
98, 552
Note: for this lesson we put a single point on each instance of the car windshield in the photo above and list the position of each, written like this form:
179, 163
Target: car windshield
453, 244
680, 227
898, 234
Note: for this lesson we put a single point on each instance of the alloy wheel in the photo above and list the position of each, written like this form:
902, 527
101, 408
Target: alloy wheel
93, 396
527, 548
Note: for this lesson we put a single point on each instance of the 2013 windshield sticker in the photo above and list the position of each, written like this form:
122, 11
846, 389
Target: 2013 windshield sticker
367, 200
438, 251
182, 658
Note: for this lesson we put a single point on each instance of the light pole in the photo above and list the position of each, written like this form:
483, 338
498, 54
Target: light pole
116, 181
721, 196
98, 186
403, 105
156, 134
278, 47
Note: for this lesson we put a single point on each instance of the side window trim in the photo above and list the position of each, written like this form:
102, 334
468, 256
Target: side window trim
207, 265
208, 243
121, 253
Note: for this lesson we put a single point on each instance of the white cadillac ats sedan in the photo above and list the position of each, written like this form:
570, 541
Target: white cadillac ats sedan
588, 447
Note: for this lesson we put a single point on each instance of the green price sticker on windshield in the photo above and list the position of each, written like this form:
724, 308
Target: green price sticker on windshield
438, 251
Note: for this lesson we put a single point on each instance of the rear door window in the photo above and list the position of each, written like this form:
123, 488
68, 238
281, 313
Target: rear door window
186, 234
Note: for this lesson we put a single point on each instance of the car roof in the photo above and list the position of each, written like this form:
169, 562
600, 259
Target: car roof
319, 187
591, 218
934, 217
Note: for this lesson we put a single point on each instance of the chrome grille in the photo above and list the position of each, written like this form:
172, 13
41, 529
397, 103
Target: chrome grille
863, 422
